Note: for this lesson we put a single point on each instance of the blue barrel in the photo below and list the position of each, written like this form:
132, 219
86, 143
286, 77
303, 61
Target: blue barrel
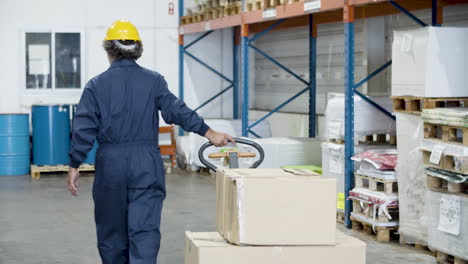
91, 158
14, 144
51, 134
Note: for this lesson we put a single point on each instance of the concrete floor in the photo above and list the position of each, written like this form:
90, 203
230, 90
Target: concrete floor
40, 223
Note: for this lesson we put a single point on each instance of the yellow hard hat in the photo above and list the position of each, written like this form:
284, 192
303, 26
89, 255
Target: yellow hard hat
122, 30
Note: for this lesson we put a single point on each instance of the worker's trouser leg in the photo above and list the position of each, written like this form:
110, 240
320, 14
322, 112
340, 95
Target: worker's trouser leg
128, 196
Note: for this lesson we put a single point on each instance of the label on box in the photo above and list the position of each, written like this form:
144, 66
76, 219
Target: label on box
269, 13
449, 218
208, 26
436, 154
313, 5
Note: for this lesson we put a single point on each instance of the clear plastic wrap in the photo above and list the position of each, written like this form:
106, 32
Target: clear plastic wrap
448, 223
411, 179
367, 119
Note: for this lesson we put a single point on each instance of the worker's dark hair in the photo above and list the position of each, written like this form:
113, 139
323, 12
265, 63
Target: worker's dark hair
123, 49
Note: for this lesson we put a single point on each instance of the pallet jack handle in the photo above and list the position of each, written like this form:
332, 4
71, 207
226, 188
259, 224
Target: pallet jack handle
232, 156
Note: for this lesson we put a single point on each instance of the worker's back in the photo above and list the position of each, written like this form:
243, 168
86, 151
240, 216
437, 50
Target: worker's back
126, 96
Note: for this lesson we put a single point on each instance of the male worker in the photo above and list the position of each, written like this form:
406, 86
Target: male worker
120, 107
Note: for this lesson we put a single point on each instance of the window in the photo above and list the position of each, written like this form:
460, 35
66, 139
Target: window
53, 60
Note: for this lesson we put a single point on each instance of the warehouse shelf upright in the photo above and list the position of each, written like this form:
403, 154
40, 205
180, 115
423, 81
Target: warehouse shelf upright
208, 27
313, 13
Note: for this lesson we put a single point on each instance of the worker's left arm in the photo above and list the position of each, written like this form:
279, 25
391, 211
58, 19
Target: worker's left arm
85, 127
175, 111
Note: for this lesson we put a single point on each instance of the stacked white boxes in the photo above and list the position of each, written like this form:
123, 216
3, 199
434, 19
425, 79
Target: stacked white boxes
269, 216
427, 72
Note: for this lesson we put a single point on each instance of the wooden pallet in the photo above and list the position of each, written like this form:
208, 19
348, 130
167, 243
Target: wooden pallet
441, 185
340, 217
233, 9
381, 234
444, 258
446, 133
389, 187
379, 139
447, 162
414, 105
37, 170
376, 139
188, 19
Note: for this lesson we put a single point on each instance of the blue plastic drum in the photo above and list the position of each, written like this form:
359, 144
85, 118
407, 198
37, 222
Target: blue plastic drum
51, 134
14, 144
91, 158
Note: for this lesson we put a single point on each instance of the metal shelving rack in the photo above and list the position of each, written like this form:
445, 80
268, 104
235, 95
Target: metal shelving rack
311, 13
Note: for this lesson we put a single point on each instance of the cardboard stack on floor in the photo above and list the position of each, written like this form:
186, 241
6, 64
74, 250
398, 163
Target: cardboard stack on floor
427, 78
373, 130
269, 216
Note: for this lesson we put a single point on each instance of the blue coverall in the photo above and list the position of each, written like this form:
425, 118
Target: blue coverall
120, 107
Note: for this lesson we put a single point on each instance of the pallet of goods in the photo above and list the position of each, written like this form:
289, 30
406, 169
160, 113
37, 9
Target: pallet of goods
445, 155
373, 130
426, 79
375, 197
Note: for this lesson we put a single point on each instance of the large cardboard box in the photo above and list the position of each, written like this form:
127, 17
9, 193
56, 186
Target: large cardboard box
211, 248
275, 207
430, 62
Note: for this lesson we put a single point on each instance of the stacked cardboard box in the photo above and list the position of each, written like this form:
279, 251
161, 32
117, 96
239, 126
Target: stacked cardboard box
269, 216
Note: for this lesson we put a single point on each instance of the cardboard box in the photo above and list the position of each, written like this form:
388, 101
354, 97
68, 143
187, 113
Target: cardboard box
276, 207
210, 248
430, 62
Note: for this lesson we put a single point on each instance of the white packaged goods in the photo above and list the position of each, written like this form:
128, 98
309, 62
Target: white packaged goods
285, 151
430, 62
275, 207
448, 223
333, 164
211, 248
188, 146
456, 116
411, 179
367, 119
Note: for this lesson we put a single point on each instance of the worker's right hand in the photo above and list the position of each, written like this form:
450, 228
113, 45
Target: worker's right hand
218, 139
73, 181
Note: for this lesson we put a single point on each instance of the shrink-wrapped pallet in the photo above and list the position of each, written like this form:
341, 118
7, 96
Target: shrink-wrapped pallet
411, 179
367, 119
448, 223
